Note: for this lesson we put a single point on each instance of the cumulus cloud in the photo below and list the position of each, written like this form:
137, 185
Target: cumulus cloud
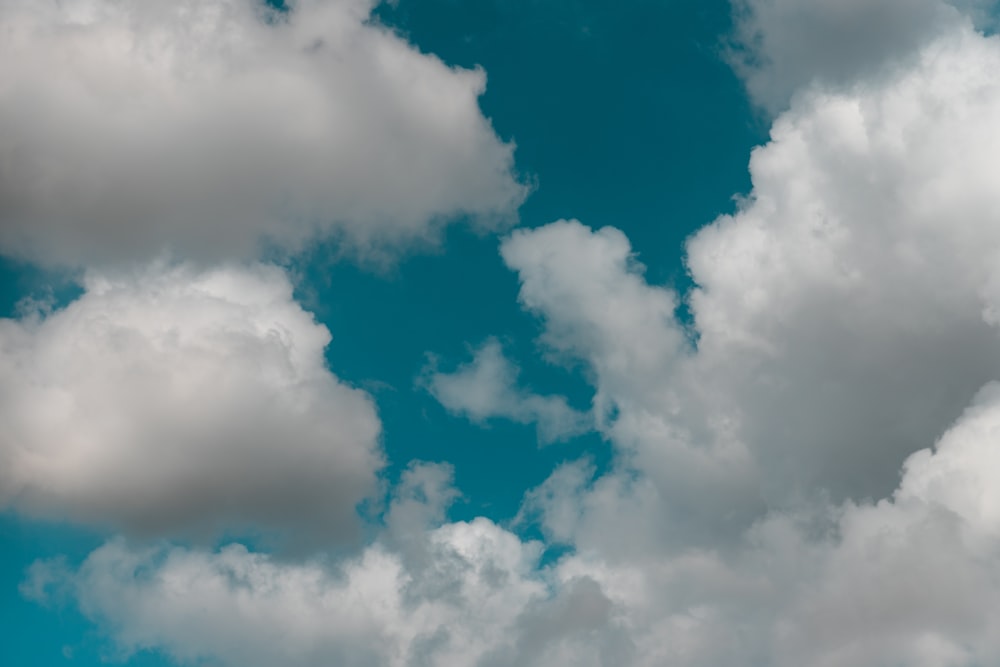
597, 307
774, 500
215, 129
843, 317
779, 46
183, 401
838, 319
487, 388
909, 580
570, 277
457, 606
842, 308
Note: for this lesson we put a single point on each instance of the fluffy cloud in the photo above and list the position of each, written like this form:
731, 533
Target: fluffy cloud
843, 318
487, 388
596, 304
597, 307
774, 500
840, 319
213, 129
841, 310
909, 580
455, 605
782, 45
188, 401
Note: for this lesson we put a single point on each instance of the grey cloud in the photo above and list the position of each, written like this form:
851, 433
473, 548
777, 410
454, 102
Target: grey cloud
214, 130
781, 46
235, 607
908, 580
183, 401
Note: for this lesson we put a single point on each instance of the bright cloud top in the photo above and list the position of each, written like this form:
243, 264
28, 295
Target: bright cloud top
178, 401
213, 129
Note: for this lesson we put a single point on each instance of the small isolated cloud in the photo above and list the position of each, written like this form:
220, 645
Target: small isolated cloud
211, 129
590, 290
487, 388
178, 401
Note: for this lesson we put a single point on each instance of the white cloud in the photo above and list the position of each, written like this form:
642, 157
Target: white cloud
177, 400
770, 503
208, 129
844, 315
839, 313
595, 302
234, 607
487, 388
910, 580
597, 307
781, 46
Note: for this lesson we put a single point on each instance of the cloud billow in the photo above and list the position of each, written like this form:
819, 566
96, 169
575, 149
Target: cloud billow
217, 130
184, 402
809, 478
908, 580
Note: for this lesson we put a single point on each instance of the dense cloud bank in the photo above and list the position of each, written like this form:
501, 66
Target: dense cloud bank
216, 129
909, 580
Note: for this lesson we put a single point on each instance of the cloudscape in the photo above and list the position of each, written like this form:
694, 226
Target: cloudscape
444, 333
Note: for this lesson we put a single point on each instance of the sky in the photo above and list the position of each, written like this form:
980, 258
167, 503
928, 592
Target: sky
476, 333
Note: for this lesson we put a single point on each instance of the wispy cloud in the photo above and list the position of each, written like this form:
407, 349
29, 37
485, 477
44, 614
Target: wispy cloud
487, 388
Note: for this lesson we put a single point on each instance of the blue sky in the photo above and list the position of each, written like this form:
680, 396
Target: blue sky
490, 333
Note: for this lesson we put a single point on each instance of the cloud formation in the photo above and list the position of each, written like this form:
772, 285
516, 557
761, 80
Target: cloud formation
179, 401
451, 594
215, 129
781, 46
806, 472
908, 580
487, 388
597, 307
841, 318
